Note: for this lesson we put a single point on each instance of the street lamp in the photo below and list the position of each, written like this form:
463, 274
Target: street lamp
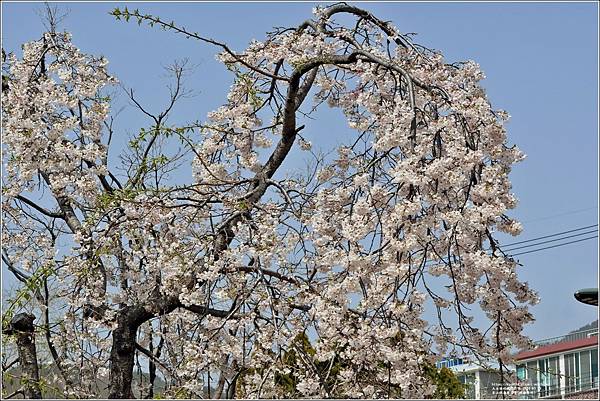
587, 296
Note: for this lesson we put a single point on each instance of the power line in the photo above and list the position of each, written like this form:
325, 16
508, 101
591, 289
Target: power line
554, 246
567, 213
552, 235
552, 240
433, 261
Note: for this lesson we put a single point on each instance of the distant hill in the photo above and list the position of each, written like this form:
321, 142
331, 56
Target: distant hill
10, 382
592, 325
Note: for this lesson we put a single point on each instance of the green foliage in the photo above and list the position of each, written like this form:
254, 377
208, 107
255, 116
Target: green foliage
295, 359
13, 379
107, 200
136, 141
26, 292
300, 359
182, 393
125, 15
142, 142
251, 91
447, 384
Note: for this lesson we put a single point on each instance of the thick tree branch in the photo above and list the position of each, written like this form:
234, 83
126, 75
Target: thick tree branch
63, 202
39, 208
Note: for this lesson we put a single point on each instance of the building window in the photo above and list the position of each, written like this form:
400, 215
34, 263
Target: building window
543, 377
532, 372
572, 377
449, 362
521, 373
527, 380
594, 355
548, 376
554, 373
469, 381
586, 370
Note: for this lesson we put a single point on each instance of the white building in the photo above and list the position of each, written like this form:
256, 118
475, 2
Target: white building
482, 379
561, 367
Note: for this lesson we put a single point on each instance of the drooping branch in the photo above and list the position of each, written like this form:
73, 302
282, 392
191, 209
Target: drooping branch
126, 14
385, 27
21, 276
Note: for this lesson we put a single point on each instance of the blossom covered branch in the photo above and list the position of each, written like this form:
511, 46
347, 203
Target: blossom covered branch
224, 274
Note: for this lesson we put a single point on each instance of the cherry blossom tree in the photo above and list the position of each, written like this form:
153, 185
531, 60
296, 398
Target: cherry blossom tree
208, 284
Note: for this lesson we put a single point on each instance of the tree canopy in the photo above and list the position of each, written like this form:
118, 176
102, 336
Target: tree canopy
212, 282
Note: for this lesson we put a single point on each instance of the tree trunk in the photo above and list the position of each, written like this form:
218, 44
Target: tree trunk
122, 359
21, 326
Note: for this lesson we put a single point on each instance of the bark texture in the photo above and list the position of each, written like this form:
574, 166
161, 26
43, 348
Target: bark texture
21, 326
122, 359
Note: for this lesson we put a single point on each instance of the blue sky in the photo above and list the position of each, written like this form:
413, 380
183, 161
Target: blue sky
541, 63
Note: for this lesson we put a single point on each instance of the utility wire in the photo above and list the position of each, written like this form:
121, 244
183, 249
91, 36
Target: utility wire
552, 235
554, 246
506, 251
433, 261
551, 240
567, 213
